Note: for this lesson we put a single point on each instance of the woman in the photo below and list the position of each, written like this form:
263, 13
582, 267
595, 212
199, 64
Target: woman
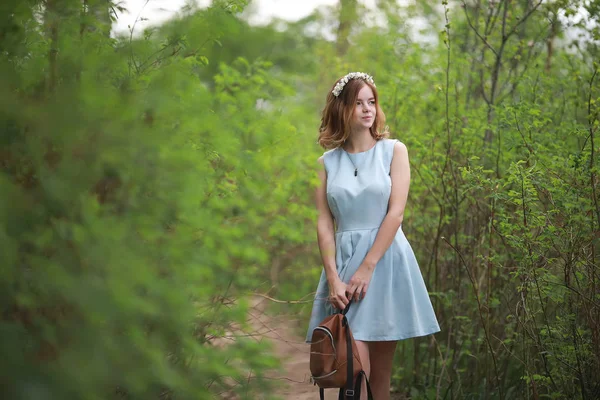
364, 186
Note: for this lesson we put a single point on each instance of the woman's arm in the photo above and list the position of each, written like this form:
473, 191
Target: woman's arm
326, 240
400, 175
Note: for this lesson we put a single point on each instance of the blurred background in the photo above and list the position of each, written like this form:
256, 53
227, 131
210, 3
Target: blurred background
158, 162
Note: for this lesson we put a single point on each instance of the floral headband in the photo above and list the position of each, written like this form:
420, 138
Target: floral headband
352, 75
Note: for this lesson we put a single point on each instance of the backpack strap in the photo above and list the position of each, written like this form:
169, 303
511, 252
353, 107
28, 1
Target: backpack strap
345, 310
349, 361
348, 392
358, 387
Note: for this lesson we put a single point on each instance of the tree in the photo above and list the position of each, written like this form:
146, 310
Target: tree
347, 18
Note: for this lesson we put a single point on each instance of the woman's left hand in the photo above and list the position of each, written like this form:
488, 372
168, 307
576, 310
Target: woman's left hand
359, 283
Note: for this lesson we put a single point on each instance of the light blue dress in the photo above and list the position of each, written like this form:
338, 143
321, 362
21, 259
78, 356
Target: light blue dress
397, 305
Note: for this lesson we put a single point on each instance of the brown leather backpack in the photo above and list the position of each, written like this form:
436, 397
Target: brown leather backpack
334, 359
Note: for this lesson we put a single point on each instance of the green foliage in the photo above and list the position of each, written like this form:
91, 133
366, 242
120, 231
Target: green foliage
128, 220
150, 185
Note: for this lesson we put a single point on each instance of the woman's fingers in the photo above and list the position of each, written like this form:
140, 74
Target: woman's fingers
337, 295
351, 290
360, 292
341, 302
357, 291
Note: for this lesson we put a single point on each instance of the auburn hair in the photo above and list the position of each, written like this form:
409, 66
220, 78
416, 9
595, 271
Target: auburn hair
338, 111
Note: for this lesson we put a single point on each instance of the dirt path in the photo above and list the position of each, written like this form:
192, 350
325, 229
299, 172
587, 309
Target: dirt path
291, 349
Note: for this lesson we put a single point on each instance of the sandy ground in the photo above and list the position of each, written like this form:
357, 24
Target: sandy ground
289, 346
293, 378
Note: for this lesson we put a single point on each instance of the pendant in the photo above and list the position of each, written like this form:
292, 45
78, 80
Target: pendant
355, 171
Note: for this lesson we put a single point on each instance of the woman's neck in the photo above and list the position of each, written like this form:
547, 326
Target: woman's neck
359, 141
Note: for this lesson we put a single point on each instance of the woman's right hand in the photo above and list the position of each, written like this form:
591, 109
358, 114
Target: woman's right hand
337, 294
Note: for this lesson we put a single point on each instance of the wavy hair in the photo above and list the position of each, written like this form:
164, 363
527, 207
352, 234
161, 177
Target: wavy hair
337, 115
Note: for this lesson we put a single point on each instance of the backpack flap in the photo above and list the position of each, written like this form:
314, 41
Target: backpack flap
331, 343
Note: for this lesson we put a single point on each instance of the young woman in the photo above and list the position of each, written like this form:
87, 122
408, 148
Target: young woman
364, 186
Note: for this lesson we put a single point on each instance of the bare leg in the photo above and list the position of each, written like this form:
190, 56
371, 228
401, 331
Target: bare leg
381, 358
363, 353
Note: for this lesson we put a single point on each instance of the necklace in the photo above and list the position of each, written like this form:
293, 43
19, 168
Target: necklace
355, 167
360, 152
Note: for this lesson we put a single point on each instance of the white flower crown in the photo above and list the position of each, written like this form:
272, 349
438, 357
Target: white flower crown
352, 75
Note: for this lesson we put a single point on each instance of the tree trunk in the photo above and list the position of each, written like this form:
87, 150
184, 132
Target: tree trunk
51, 27
550, 41
97, 14
348, 16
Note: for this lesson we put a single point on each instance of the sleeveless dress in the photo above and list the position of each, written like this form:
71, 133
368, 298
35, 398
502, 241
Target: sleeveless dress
396, 305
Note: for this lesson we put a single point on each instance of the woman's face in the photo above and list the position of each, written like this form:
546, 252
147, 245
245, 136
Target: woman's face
364, 109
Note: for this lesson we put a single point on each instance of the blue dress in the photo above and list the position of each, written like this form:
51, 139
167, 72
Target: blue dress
397, 305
